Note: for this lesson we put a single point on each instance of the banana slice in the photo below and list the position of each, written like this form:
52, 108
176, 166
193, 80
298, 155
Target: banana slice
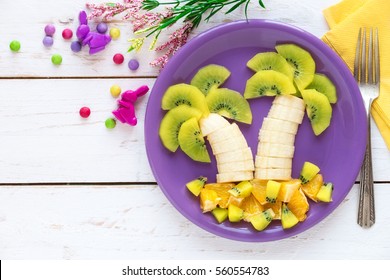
234, 176
212, 123
224, 133
273, 174
280, 125
290, 101
234, 156
277, 137
231, 144
273, 162
236, 166
275, 150
285, 113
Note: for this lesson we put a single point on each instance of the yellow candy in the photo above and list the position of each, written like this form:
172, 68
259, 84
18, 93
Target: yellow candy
115, 33
115, 91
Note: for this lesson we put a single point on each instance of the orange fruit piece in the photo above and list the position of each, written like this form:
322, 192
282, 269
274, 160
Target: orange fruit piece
208, 200
313, 186
259, 190
298, 205
287, 189
251, 206
222, 191
237, 201
276, 207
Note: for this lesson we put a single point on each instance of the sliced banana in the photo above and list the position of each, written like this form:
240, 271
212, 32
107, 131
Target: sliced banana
224, 133
275, 150
290, 101
273, 162
234, 156
212, 123
234, 176
280, 125
231, 144
273, 174
282, 112
278, 137
236, 166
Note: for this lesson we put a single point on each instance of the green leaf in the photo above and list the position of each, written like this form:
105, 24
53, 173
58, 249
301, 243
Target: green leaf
261, 4
235, 6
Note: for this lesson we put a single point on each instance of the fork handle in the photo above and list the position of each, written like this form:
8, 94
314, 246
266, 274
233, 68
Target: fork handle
366, 213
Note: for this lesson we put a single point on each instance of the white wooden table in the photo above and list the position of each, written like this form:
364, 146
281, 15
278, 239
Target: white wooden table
72, 189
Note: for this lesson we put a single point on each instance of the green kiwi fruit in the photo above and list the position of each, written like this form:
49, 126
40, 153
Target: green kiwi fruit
180, 94
209, 77
262, 220
171, 123
324, 85
318, 110
325, 193
308, 171
191, 141
230, 104
270, 61
301, 61
272, 191
235, 213
288, 218
268, 83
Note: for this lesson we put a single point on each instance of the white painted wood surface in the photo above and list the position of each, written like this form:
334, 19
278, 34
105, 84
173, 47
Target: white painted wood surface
45, 145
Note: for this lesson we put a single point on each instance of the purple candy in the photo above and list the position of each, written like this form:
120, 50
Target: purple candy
133, 64
75, 46
48, 41
50, 30
102, 28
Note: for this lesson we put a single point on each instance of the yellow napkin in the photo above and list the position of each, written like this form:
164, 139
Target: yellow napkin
345, 19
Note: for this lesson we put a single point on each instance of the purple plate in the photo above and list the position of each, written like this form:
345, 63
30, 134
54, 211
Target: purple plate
338, 151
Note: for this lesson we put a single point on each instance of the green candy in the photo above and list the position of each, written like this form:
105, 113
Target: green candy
110, 123
14, 46
56, 59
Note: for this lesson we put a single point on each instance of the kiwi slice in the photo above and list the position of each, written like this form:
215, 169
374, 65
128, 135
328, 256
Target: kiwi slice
262, 220
323, 84
268, 83
272, 191
180, 94
196, 185
309, 170
301, 61
220, 214
230, 104
171, 123
191, 141
325, 192
318, 110
270, 61
235, 213
243, 189
288, 218
210, 76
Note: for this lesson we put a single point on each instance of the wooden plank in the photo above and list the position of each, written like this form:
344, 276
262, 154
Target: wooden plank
27, 20
138, 222
44, 140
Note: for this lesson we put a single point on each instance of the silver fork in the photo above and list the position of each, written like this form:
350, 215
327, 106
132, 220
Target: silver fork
366, 72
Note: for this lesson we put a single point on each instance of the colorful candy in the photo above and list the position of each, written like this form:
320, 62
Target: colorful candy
75, 46
48, 41
115, 33
67, 34
14, 46
50, 30
118, 58
56, 59
102, 28
115, 91
85, 112
133, 64
110, 123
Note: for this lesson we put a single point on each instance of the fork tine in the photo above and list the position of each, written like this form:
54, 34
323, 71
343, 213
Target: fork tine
363, 58
370, 61
376, 53
357, 56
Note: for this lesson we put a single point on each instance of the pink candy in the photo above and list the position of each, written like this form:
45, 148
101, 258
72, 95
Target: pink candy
126, 111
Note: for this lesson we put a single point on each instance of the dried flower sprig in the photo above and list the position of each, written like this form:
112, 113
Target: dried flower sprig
145, 21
